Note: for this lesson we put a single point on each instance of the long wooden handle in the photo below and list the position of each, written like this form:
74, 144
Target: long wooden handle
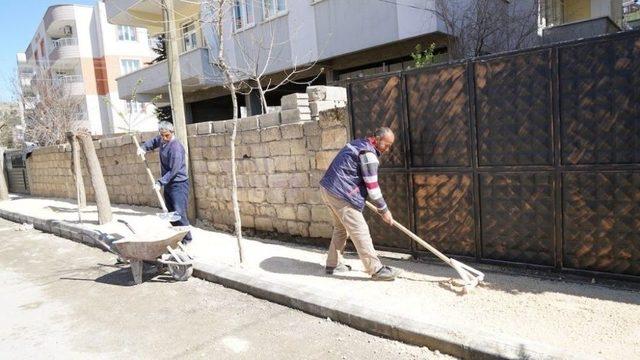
415, 237
153, 180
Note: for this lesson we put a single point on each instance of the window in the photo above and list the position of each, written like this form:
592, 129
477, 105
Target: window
128, 66
134, 107
189, 38
273, 8
127, 33
243, 14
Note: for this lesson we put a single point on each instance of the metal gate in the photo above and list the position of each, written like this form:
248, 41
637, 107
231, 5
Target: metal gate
16, 168
530, 157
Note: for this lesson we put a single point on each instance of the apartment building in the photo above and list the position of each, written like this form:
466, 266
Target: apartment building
562, 20
76, 46
343, 38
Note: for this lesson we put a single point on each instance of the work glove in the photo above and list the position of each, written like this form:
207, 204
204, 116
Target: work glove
157, 186
141, 152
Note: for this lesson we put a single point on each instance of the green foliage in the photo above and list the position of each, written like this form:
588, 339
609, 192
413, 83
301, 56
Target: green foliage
424, 57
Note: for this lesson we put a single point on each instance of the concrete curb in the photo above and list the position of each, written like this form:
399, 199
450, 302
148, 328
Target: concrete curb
463, 343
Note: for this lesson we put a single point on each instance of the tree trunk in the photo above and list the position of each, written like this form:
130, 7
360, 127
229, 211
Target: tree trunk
97, 180
76, 168
234, 177
263, 99
4, 190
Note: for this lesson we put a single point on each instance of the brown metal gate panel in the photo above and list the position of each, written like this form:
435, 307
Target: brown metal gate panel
518, 217
513, 101
600, 102
384, 236
375, 103
602, 221
438, 117
530, 157
444, 212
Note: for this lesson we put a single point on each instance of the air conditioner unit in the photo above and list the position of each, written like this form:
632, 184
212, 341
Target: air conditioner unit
68, 30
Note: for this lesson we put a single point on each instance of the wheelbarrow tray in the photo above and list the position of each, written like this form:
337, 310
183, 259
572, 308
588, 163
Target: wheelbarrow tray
149, 246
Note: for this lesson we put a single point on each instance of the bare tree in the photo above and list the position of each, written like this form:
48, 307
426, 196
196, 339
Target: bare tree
130, 118
479, 27
9, 118
217, 10
259, 52
50, 108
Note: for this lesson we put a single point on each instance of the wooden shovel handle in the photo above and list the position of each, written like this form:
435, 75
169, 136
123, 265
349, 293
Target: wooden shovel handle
153, 181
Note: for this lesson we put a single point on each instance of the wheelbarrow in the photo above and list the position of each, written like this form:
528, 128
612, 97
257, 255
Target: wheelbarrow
164, 250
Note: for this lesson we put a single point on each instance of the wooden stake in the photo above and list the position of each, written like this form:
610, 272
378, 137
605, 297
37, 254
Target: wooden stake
97, 180
76, 168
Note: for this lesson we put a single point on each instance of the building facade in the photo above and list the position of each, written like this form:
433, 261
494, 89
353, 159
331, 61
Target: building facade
339, 39
563, 20
77, 47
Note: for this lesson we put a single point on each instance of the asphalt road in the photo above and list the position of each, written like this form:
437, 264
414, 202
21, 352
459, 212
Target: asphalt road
60, 299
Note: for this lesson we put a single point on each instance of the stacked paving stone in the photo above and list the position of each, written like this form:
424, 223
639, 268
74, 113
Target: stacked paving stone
280, 159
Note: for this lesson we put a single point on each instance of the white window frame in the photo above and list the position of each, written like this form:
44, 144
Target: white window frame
274, 11
127, 33
190, 36
242, 9
124, 69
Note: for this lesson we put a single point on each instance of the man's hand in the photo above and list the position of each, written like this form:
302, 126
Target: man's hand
141, 152
387, 217
156, 186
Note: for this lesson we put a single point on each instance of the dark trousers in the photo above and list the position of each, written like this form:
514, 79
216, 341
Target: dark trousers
176, 195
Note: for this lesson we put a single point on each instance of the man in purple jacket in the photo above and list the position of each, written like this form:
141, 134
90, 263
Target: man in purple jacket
173, 172
351, 177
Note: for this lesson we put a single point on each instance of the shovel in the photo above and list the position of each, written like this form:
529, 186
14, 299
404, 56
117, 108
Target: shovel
165, 214
470, 276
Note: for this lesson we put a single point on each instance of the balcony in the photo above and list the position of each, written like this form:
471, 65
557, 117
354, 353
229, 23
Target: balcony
73, 84
146, 14
579, 30
59, 17
196, 70
64, 49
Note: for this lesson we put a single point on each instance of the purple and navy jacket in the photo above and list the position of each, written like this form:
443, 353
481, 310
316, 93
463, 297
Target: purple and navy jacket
353, 175
172, 154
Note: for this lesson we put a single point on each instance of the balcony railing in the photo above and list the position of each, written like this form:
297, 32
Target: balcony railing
69, 78
70, 41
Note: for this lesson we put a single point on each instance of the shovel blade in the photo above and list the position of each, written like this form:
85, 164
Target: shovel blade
169, 216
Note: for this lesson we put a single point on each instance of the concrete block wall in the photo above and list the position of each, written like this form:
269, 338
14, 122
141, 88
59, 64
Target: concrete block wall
280, 159
50, 173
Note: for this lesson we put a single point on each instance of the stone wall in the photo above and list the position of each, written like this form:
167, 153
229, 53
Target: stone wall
280, 159
50, 172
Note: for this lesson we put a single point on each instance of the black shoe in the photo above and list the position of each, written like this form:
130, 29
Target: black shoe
340, 268
385, 273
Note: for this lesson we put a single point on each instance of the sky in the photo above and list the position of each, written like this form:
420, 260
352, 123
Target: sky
19, 20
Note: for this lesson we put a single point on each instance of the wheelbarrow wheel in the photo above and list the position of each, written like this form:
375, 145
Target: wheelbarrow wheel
180, 272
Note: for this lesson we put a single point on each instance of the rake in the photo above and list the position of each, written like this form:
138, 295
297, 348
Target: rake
470, 276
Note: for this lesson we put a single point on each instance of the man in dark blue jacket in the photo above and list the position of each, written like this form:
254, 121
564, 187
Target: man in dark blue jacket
173, 171
350, 179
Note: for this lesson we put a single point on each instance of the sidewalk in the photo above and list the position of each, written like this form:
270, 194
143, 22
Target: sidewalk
510, 316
